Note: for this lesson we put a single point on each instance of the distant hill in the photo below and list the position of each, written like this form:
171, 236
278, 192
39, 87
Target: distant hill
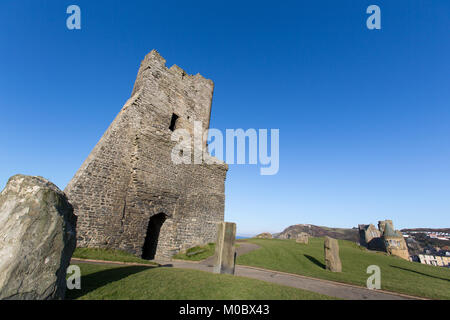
319, 231
445, 230
419, 242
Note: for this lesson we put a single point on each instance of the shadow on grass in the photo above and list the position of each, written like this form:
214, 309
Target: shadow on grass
421, 273
315, 261
99, 279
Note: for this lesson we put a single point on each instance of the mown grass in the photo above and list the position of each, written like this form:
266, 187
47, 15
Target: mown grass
197, 253
396, 274
100, 282
108, 255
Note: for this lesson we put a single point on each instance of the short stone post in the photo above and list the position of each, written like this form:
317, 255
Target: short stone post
303, 237
332, 260
224, 258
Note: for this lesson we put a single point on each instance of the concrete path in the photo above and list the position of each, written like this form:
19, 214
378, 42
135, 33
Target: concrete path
329, 288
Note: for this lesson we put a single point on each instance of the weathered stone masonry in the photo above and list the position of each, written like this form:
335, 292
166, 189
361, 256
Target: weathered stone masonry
128, 194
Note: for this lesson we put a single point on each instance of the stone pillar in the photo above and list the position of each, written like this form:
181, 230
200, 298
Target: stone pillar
332, 260
224, 258
303, 237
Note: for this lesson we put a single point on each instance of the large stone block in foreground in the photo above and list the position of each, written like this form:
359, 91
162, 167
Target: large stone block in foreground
224, 258
332, 260
37, 239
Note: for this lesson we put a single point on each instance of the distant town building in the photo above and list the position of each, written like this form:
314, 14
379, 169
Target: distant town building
445, 236
441, 261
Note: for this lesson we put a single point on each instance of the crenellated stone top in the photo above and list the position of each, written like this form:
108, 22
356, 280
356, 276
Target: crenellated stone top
172, 93
155, 60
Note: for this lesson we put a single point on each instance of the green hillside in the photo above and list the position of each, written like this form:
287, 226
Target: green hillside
108, 255
396, 274
100, 282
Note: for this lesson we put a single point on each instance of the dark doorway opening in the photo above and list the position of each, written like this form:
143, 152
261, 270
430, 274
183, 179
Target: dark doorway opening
151, 239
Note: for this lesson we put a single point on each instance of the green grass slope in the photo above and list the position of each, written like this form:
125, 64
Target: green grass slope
197, 253
396, 274
100, 282
108, 255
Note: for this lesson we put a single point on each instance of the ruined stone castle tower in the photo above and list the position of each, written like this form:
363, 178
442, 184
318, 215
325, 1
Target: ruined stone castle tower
386, 238
128, 194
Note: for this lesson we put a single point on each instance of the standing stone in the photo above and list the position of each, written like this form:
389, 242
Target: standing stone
224, 258
332, 260
302, 237
37, 239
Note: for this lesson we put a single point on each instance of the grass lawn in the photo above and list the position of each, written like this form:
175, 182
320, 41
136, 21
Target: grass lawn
396, 274
108, 255
99, 282
197, 253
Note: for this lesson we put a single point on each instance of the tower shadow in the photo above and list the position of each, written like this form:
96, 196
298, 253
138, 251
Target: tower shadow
99, 279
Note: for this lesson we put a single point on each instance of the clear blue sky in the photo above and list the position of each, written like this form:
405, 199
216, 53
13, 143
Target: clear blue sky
364, 116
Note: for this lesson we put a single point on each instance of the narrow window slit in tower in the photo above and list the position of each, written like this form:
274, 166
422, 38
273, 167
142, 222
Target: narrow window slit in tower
173, 122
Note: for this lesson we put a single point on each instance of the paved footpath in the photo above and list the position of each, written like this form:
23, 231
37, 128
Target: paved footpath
329, 288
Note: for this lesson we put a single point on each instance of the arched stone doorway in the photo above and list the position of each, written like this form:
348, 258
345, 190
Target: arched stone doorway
151, 239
